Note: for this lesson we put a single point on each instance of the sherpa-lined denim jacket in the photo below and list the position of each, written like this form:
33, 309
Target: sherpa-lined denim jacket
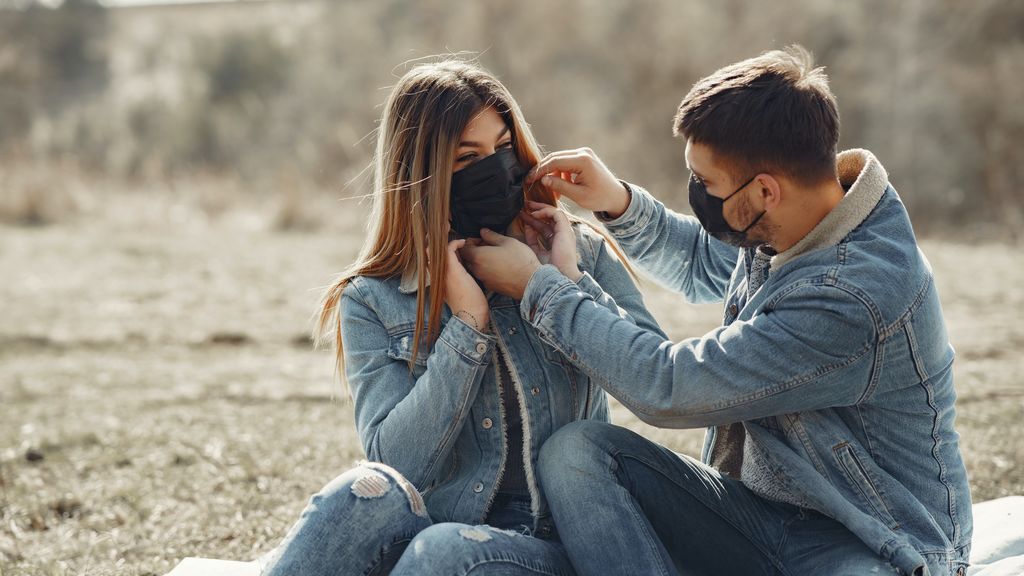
837, 364
441, 425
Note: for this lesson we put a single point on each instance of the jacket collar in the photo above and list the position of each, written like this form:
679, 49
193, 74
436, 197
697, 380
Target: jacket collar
410, 281
866, 181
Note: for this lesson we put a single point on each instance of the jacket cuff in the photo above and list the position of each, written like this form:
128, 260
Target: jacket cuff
637, 214
589, 285
545, 283
468, 342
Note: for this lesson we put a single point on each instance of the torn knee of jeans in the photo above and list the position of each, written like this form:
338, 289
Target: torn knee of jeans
524, 532
475, 534
415, 500
371, 485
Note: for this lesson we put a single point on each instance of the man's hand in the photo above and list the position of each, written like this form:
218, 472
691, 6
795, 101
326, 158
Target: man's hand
581, 176
503, 264
559, 242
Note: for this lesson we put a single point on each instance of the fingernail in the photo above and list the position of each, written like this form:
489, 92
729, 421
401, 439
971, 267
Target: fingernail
546, 180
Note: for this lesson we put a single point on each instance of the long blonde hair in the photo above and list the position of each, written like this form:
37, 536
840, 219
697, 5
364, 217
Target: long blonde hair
423, 120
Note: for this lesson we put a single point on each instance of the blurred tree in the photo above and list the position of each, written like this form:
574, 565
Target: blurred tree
50, 58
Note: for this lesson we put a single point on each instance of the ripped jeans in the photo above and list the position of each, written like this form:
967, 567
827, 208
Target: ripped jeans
371, 521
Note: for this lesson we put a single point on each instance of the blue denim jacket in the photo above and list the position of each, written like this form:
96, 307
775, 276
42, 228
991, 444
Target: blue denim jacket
837, 364
442, 425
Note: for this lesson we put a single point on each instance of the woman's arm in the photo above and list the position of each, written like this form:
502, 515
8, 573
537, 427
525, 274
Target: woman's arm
410, 423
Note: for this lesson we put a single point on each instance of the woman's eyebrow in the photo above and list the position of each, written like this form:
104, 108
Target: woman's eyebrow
473, 144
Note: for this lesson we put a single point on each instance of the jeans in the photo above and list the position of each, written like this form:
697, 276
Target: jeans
371, 521
625, 505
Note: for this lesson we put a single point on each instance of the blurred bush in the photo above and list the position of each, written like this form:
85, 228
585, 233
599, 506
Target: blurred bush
273, 94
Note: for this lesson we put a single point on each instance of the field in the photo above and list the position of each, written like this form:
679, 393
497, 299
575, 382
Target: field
159, 397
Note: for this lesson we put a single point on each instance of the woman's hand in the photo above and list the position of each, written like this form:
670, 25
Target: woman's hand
462, 294
551, 224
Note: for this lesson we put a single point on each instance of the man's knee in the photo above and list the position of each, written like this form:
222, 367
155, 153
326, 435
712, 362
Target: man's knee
578, 446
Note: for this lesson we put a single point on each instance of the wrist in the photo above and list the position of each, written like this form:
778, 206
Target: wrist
477, 319
621, 203
528, 273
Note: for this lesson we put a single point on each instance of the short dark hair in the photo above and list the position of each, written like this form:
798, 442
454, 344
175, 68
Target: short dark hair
774, 111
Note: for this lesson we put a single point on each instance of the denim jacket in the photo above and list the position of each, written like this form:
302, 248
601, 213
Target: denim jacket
442, 425
836, 364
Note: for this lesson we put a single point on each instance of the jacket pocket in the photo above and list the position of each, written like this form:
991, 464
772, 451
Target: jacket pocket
444, 476
861, 483
400, 347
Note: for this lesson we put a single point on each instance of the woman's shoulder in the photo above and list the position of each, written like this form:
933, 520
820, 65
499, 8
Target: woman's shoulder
588, 241
371, 290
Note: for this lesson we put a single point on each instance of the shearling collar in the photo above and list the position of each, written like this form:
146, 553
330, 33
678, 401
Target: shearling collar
865, 180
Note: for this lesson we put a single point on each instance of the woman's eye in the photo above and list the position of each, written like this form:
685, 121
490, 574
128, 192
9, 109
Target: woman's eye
466, 157
507, 144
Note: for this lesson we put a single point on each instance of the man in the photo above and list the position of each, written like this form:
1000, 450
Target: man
828, 391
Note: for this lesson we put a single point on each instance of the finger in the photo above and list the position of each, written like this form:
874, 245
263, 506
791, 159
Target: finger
535, 172
532, 239
536, 224
473, 242
562, 187
492, 238
569, 162
454, 246
556, 219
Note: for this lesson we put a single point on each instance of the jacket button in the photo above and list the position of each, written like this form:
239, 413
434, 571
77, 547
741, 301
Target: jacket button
478, 487
487, 423
512, 331
733, 309
481, 347
535, 391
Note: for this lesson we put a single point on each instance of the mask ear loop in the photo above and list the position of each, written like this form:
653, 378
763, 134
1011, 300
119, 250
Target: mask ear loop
736, 191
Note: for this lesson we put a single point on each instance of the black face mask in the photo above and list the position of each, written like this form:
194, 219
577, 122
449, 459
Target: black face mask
709, 210
487, 194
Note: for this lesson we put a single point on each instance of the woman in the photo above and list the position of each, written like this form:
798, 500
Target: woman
454, 393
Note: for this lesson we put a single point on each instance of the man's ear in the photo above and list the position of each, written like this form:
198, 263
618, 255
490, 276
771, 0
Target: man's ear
770, 190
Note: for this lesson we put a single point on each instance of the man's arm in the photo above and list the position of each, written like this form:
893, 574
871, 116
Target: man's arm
799, 356
672, 248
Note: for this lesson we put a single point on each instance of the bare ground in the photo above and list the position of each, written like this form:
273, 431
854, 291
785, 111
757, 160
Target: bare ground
159, 397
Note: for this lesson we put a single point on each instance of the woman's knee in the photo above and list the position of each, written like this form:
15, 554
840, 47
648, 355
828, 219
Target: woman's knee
455, 548
372, 486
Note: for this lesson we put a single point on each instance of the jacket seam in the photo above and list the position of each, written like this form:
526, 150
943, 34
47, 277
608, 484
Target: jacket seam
907, 315
950, 493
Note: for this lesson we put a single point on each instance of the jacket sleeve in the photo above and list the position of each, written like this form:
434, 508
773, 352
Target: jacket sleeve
611, 286
673, 248
811, 351
410, 423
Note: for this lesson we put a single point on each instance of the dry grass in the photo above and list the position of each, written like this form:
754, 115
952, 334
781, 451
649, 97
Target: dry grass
158, 396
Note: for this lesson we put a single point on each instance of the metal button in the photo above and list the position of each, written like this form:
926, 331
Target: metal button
535, 391
478, 487
512, 331
733, 309
481, 347
487, 423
